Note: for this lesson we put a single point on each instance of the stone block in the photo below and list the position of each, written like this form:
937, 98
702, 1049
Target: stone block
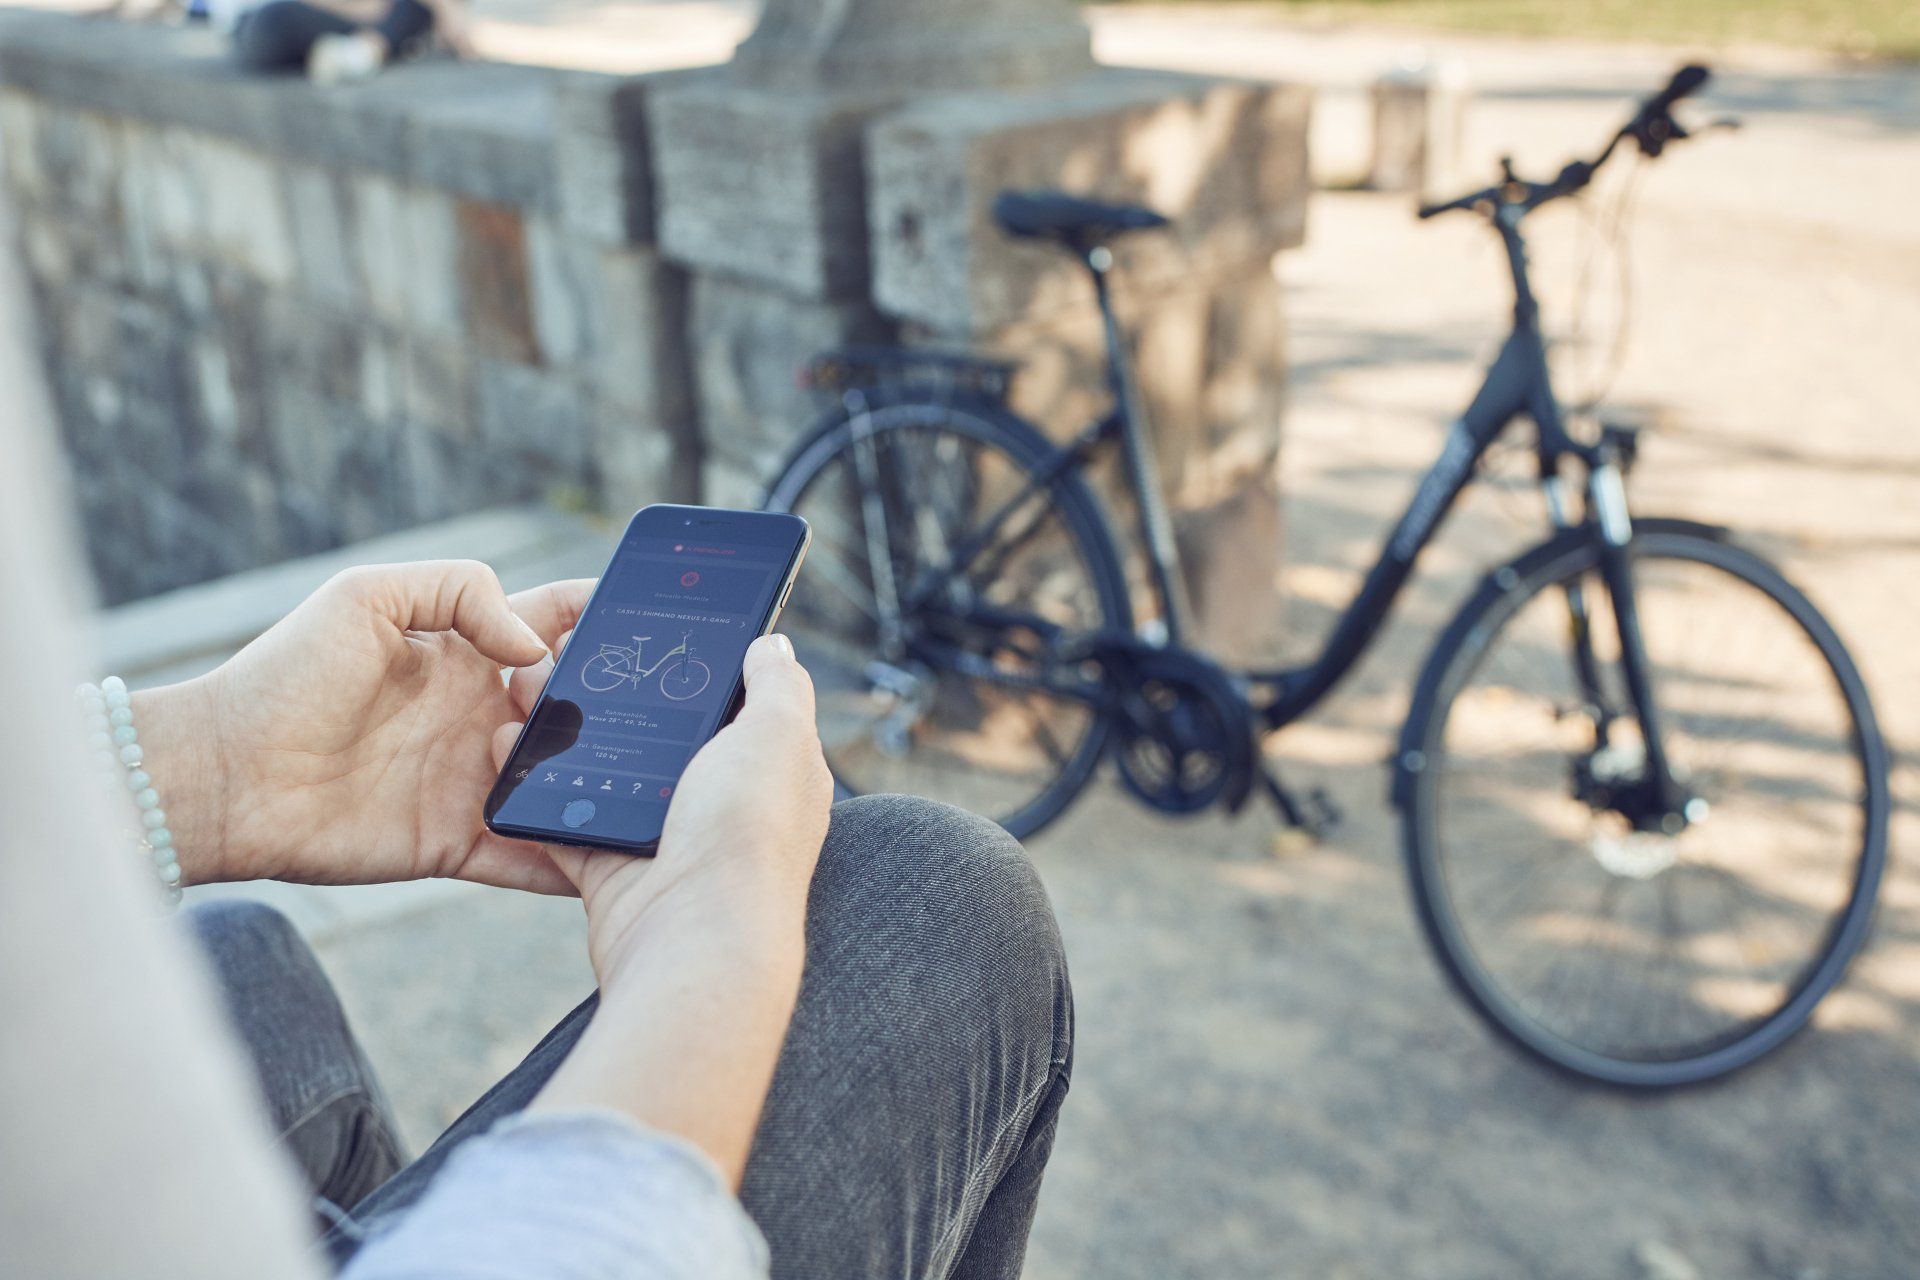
636, 461
747, 344
408, 249
1209, 360
642, 358
726, 483
80, 156
1225, 160
538, 423
437, 386
564, 292
602, 158
763, 186
481, 130
494, 290
320, 224
1230, 560
20, 144
618, 314
246, 222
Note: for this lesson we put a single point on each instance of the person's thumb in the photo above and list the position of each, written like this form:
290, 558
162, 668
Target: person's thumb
777, 685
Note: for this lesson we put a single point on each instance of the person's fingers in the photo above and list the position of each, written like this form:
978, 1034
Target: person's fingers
462, 596
552, 610
525, 684
502, 744
516, 864
777, 685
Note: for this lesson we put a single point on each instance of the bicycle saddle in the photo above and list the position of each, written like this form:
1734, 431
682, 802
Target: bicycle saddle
1069, 219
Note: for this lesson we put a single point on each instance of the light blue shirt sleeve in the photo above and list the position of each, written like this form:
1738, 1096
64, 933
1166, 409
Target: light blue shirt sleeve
581, 1195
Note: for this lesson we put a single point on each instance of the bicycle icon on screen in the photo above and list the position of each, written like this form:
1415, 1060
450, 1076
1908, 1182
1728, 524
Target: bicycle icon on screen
682, 676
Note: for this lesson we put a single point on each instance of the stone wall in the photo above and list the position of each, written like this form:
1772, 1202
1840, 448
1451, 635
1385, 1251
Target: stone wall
278, 318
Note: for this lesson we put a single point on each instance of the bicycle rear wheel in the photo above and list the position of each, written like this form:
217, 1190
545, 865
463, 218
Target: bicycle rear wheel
891, 492
1631, 957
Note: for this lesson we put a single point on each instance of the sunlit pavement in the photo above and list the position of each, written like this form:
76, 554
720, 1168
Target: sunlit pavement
1272, 1078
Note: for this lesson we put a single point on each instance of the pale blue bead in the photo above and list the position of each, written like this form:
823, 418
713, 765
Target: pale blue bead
125, 735
99, 723
100, 741
169, 874
147, 798
120, 715
132, 754
139, 780
112, 685
119, 699
160, 838
105, 760
93, 704
152, 818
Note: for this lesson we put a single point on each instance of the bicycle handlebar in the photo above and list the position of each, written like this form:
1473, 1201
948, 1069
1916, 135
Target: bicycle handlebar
1651, 128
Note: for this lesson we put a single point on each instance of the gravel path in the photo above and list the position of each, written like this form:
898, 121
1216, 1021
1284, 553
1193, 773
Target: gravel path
1272, 1078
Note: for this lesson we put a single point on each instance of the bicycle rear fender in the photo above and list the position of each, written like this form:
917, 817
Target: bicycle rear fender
1408, 763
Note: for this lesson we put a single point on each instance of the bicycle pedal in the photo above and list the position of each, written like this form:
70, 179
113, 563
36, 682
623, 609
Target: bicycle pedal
1314, 818
1326, 815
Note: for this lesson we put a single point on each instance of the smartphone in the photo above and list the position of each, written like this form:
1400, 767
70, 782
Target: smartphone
651, 673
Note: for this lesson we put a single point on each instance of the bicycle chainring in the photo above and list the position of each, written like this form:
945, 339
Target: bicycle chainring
1183, 730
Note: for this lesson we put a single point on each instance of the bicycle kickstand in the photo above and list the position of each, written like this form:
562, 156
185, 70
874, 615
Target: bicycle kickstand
1310, 819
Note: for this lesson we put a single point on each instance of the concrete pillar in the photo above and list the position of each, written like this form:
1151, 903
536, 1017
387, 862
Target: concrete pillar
833, 182
1419, 127
910, 47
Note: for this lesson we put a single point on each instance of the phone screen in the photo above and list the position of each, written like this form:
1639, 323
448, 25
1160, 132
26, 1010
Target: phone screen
652, 672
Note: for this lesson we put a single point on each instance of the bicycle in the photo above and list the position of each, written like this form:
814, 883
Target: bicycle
1642, 850
682, 676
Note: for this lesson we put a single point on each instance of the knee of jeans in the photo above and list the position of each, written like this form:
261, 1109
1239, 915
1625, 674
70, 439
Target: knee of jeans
246, 941
929, 903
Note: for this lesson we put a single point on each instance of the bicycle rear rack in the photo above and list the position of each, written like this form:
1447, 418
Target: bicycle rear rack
845, 368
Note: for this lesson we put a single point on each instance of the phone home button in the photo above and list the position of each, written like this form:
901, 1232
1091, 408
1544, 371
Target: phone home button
578, 813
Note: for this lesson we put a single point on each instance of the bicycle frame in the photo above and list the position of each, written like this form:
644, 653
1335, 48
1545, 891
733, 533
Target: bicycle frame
1518, 383
635, 655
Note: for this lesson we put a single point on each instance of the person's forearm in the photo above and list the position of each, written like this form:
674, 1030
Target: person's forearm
686, 1037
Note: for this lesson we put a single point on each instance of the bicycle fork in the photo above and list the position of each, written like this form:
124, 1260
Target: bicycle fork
1661, 805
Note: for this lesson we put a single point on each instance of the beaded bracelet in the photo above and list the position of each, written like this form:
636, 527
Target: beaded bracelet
116, 748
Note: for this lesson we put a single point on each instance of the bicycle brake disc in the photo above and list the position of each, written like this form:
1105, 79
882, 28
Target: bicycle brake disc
1183, 732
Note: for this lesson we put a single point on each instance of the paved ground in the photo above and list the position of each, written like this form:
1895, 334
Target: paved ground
1272, 1078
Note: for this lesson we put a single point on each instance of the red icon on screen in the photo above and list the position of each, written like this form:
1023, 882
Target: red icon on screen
665, 792
690, 578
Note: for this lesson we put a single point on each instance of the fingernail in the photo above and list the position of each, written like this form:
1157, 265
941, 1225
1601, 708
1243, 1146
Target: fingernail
531, 634
784, 645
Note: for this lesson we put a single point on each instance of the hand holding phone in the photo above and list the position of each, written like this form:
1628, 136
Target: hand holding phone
652, 671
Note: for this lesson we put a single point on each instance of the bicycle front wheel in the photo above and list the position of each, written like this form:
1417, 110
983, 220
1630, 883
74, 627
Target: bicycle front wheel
1635, 957
895, 493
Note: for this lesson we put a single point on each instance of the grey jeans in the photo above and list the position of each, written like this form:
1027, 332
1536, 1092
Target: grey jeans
914, 1106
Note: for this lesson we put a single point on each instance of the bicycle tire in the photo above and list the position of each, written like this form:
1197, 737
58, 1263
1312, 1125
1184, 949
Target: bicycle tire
685, 665
601, 662
1420, 772
1026, 449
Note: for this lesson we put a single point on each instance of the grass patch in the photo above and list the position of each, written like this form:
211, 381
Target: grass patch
1865, 28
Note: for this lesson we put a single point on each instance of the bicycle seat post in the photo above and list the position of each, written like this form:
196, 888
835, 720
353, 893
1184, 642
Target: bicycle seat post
1156, 526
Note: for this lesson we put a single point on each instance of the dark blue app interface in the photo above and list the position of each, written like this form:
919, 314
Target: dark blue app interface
646, 679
